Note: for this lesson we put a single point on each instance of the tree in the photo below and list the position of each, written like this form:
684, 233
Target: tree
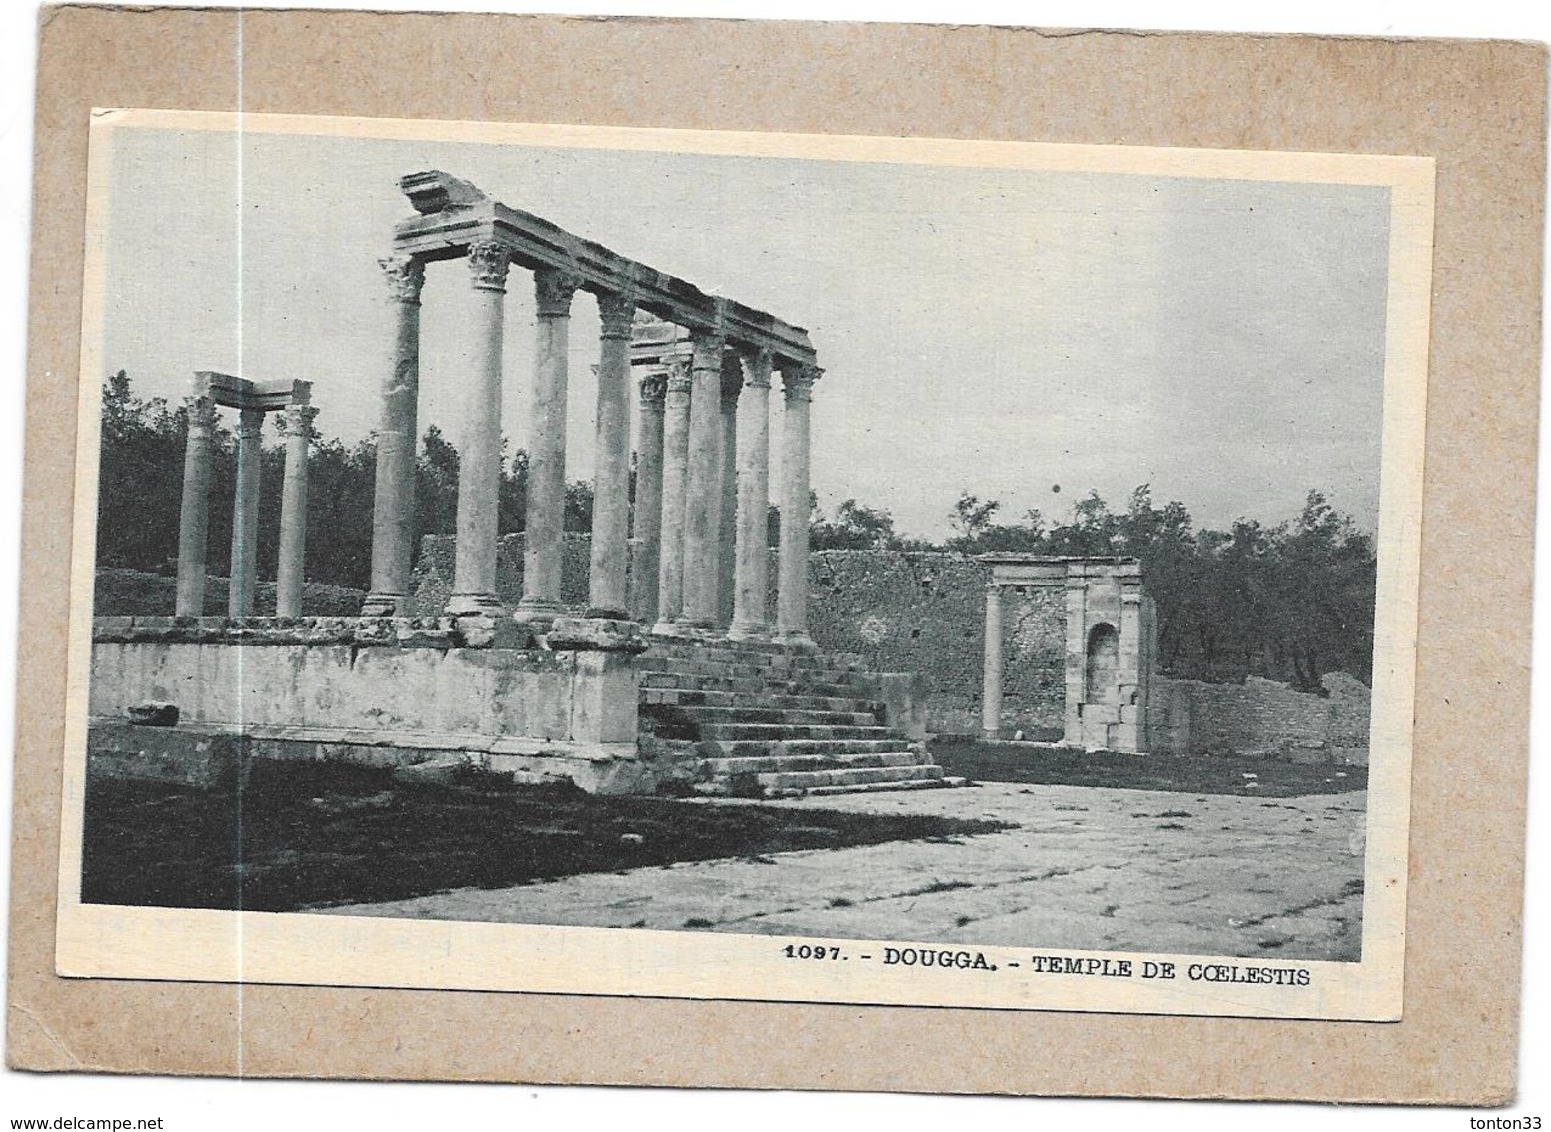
855, 528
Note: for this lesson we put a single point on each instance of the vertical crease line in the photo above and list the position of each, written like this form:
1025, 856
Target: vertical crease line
242, 746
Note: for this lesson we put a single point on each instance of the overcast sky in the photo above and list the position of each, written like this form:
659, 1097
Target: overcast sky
997, 331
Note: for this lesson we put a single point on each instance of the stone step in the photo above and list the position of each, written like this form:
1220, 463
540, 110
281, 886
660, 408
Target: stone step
762, 748
733, 670
777, 659
699, 697
747, 713
735, 732
848, 776
769, 764
745, 685
870, 787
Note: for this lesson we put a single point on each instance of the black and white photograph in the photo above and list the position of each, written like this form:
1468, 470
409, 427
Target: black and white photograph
751, 566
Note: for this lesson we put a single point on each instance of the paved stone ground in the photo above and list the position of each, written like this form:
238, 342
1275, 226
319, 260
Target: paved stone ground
1087, 868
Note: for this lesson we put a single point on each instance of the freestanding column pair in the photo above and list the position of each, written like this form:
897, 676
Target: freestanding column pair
252, 401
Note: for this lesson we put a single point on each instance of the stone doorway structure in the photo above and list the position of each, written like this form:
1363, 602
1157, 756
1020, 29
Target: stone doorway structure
1110, 646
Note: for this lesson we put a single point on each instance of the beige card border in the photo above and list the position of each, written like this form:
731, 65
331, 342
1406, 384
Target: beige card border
180, 944
1477, 107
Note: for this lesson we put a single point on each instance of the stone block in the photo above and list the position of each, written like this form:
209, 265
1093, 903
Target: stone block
199, 758
596, 634
154, 713
1101, 713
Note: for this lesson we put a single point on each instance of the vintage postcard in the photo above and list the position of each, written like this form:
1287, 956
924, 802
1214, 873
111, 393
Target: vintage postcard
745, 565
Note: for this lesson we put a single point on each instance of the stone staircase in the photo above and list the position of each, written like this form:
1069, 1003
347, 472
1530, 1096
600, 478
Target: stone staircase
765, 721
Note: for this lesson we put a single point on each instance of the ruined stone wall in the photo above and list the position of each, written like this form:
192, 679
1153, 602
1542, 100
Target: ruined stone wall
135, 593
432, 581
925, 613
1261, 716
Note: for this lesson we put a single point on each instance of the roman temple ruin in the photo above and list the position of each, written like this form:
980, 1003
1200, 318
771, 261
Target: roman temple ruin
676, 669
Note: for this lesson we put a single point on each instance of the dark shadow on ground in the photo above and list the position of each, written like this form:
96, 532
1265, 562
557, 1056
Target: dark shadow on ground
309, 834
1247, 777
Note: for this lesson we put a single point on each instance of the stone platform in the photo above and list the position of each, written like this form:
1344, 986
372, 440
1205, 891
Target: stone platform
764, 720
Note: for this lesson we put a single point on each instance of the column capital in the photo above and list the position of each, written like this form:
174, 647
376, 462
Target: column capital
654, 390
708, 346
250, 424
201, 412
555, 288
297, 420
489, 262
797, 382
757, 365
405, 275
616, 312
678, 377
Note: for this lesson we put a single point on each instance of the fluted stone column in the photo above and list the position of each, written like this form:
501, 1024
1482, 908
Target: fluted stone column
991, 700
675, 475
727, 528
544, 537
194, 515
611, 478
245, 513
393, 506
647, 519
293, 511
479, 454
703, 493
792, 598
751, 580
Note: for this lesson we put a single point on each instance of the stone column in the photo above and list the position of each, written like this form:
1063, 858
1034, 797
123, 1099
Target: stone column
611, 478
393, 506
1076, 653
703, 493
751, 576
792, 598
479, 450
293, 511
727, 528
1131, 733
648, 499
194, 515
991, 700
544, 537
675, 474
245, 513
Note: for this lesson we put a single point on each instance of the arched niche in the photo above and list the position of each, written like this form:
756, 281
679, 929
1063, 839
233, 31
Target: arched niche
1102, 685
